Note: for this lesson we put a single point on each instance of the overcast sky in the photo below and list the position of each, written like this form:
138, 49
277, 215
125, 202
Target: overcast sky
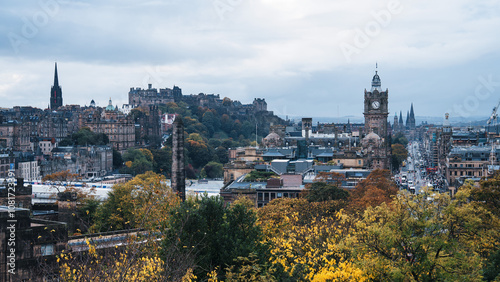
306, 58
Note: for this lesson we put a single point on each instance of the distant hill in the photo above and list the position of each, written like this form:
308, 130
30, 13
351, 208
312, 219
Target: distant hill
455, 121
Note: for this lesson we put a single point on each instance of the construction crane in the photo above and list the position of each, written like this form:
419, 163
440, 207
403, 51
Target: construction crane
493, 116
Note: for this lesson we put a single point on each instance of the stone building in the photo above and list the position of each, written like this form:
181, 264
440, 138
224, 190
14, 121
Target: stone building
376, 143
470, 163
7, 161
152, 96
118, 127
86, 161
27, 167
260, 105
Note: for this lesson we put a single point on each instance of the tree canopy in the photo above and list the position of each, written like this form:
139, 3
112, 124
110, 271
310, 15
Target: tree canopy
84, 137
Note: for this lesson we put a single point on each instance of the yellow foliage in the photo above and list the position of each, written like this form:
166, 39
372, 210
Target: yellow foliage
189, 277
123, 266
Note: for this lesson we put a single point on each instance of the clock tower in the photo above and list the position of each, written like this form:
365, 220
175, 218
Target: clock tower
376, 143
376, 108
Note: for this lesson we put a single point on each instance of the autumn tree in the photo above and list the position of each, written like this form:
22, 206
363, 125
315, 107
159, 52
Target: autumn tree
143, 202
304, 241
424, 237
198, 150
61, 179
488, 193
376, 189
333, 178
132, 263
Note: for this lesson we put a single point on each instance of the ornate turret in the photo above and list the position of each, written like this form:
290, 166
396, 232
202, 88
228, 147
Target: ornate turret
376, 83
110, 105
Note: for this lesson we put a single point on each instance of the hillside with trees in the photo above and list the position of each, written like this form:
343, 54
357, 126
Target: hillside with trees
209, 133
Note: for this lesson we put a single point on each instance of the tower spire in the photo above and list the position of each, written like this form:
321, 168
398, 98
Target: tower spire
55, 92
56, 79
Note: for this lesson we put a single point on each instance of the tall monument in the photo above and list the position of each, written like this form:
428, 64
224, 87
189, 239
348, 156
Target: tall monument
55, 93
178, 169
376, 143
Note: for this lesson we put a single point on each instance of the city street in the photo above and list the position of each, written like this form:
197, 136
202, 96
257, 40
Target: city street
413, 176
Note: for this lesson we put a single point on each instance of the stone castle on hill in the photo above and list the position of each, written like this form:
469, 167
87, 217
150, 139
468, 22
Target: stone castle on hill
138, 97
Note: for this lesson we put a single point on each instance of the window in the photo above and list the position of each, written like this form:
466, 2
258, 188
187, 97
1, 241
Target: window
47, 250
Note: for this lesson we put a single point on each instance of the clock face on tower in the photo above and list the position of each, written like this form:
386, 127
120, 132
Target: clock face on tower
376, 105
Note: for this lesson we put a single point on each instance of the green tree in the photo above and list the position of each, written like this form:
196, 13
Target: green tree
211, 122
198, 150
399, 154
259, 176
321, 191
222, 154
213, 234
212, 170
247, 129
84, 137
226, 123
400, 138
162, 163
137, 161
117, 159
